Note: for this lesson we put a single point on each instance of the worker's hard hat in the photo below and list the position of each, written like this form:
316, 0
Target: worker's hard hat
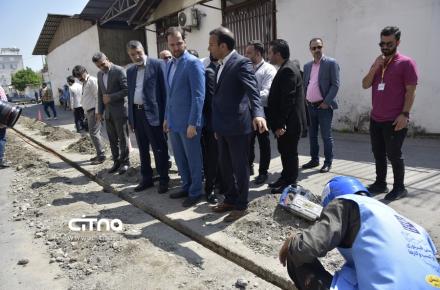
341, 185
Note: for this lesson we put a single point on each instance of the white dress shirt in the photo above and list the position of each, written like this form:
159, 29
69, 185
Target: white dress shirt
264, 72
75, 95
89, 98
222, 63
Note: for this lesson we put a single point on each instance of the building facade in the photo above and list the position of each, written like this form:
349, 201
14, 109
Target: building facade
10, 61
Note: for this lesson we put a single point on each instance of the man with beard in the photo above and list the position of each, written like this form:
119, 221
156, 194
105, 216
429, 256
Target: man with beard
393, 80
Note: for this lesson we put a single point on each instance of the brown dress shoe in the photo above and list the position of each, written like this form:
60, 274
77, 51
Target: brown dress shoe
235, 215
223, 207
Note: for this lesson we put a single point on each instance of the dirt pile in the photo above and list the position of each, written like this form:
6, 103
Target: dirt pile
30, 123
83, 145
56, 133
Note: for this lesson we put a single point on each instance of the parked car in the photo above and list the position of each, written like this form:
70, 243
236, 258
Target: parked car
22, 99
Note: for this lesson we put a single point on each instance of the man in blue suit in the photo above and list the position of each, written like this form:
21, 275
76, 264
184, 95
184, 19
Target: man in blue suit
146, 109
321, 83
185, 78
236, 112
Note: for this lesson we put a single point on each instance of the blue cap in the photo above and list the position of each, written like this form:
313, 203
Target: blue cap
341, 185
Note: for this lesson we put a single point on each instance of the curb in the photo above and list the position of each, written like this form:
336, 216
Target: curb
219, 249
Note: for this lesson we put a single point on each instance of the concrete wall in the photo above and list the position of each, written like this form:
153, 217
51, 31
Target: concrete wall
77, 50
198, 38
350, 30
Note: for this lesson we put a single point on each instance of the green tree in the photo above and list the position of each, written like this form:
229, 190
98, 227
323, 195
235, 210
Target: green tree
25, 77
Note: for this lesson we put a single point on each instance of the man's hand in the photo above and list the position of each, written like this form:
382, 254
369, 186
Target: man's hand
378, 63
323, 106
165, 126
284, 251
191, 131
280, 132
260, 124
106, 99
400, 122
98, 117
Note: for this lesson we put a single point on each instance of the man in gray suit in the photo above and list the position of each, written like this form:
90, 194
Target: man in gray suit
112, 102
321, 83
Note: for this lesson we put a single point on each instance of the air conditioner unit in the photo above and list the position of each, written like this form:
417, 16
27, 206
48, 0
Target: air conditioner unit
188, 18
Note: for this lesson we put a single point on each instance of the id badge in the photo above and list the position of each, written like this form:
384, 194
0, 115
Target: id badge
381, 87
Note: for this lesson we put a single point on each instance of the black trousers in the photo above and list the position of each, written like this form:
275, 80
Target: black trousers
211, 168
288, 148
78, 115
385, 142
264, 143
234, 168
147, 135
310, 276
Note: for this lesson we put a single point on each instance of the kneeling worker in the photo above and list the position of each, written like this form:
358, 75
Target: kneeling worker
382, 249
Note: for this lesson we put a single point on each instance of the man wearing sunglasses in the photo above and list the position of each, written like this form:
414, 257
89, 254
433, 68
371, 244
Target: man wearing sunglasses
393, 80
321, 84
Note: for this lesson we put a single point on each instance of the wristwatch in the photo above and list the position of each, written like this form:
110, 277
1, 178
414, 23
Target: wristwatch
406, 114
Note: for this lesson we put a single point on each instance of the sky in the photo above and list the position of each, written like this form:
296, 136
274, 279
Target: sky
21, 22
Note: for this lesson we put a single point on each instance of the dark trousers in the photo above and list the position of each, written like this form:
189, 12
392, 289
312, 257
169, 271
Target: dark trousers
50, 105
385, 142
117, 132
78, 115
264, 143
2, 143
288, 148
311, 276
210, 161
147, 135
234, 168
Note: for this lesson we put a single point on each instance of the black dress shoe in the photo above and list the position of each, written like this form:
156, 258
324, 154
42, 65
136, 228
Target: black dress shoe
190, 201
142, 186
114, 168
260, 179
98, 160
178, 194
277, 183
211, 198
163, 188
310, 164
123, 169
377, 188
396, 193
279, 189
325, 168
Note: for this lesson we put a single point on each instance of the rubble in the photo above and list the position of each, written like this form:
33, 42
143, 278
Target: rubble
23, 262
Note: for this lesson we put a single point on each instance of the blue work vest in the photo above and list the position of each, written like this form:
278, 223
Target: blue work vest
390, 252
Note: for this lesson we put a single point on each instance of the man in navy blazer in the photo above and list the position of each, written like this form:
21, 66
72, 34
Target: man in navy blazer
146, 109
185, 80
236, 112
321, 83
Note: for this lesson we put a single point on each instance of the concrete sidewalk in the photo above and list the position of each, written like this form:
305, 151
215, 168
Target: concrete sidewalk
352, 157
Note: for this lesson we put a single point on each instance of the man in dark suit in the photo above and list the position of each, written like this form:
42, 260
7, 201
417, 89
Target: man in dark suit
286, 112
112, 102
321, 83
236, 108
146, 109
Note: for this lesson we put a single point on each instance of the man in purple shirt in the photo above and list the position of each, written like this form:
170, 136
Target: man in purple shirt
393, 80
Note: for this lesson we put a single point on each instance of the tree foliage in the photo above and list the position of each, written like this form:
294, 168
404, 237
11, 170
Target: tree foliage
25, 77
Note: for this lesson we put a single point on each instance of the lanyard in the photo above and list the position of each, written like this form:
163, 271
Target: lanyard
384, 68
258, 67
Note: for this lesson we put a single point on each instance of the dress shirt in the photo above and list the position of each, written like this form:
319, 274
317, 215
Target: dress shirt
105, 77
75, 95
222, 63
138, 91
264, 72
172, 70
89, 98
313, 92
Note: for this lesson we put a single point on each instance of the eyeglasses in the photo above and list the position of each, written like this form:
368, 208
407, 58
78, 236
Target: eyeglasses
316, 47
387, 44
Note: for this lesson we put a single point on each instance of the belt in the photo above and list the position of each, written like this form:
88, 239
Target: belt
315, 104
138, 107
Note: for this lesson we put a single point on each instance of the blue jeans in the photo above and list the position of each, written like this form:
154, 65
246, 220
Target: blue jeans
50, 105
321, 119
2, 143
188, 156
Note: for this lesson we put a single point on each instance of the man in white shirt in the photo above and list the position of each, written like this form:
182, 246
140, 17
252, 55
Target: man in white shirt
264, 72
89, 101
75, 104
